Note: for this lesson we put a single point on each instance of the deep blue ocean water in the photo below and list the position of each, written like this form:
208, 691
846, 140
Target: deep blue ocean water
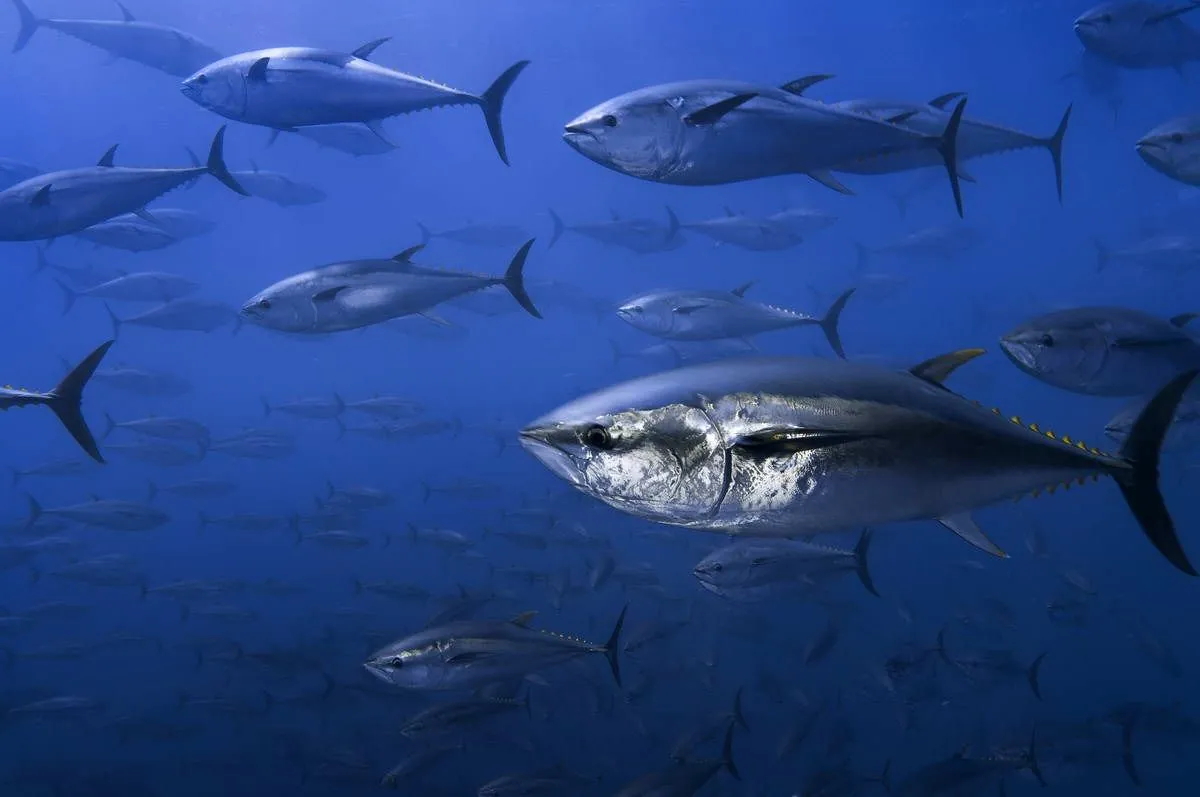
256, 687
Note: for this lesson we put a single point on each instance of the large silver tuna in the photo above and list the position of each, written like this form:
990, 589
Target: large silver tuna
165, 49
976, 138
738, 229
1138, 34
291, 87
711, 132
468, 654
360, 293
790, 447
642, 236
1103, 351
717, 315
66, 202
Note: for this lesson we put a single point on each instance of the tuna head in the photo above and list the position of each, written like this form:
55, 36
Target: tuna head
1173, 149
641, 134
652, 313
220, 87
730, 567
1062, 349
656, 457
285, 307
1108, 25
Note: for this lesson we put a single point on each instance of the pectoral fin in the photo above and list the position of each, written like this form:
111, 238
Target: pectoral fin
712, 114
329, 294
829, 181
785, 440
965, 527
258, 70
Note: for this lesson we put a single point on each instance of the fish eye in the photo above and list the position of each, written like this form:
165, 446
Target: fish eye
718, 567
1104, 18
596, 436
201, 78
1177, 138
264, 304
609, 120
1047, 339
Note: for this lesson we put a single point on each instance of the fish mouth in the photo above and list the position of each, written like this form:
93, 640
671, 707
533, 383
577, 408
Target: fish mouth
545, 444
577, 130
1018, 353
378, 670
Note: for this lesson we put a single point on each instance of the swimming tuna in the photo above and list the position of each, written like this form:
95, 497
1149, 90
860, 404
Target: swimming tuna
115, 515
468, 654
757, 235
1137, 34
751, 570
478, 234
1103, 351
1173, 149
1185, 428
65, 202
146, 286
359, 293
129, 233
790, 447
64, 400
286, 88
278, 188
194, 315
976, 138
352, 139
714, 315
642, 236
711, 132
157, 46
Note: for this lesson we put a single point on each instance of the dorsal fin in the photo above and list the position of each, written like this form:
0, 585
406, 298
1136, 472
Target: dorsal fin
524, 619
125, 13
1183, 319
729, 211
407, 255
945, 99
258, 70
740, 291
42, 197
937, 369
365, 51
803, 84
106, 159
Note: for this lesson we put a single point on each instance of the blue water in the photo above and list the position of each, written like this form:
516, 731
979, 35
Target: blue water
259, 689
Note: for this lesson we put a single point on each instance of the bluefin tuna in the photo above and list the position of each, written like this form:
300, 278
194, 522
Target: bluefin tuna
976, 138
66, 202
712, 132
472, 653
1139, 34
795, 446
353, 139
749, 570
286, 88
642, 236
145, 286
166, 49
477, 234
757, 235
714, 315
1103, 351
195, 315
360, 293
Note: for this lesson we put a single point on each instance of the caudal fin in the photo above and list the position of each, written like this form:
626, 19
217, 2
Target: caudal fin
559, 228
69, 295
612, 648
492, 102
29, 26
829, 324
67, 396
948, 147
425, 234
861, 564
1139, 483
1055, 145
1033, 675
514, 279
216, 164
